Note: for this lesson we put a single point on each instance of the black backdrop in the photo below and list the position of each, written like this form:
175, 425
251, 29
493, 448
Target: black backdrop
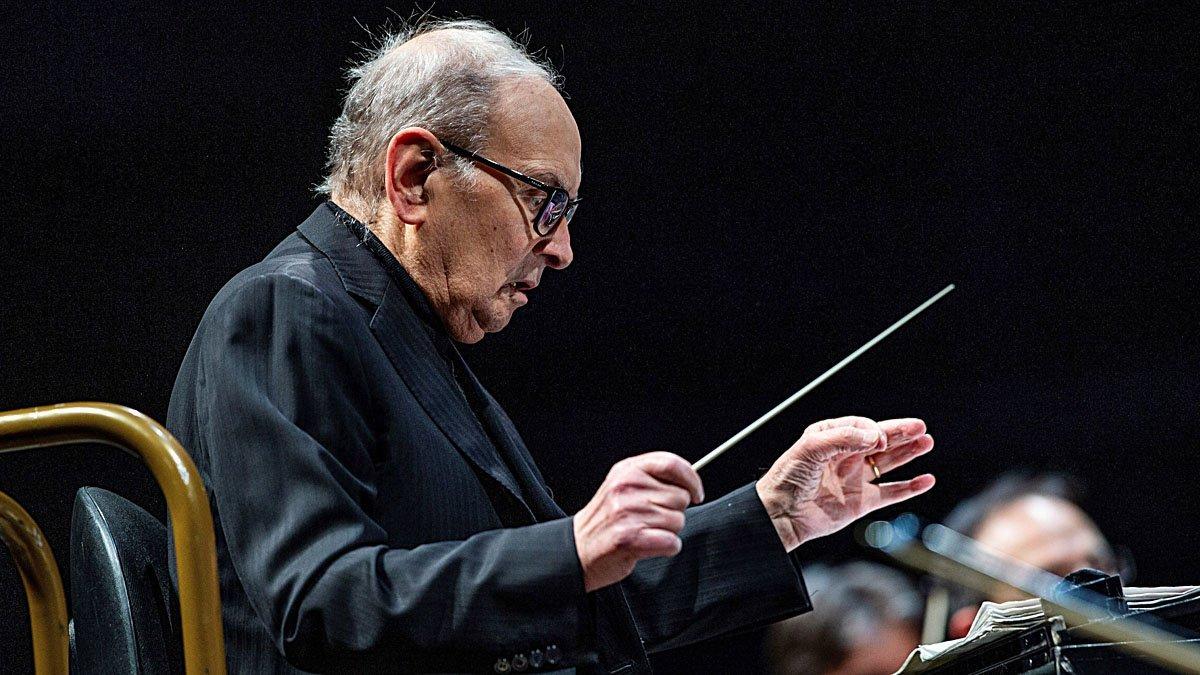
767, 187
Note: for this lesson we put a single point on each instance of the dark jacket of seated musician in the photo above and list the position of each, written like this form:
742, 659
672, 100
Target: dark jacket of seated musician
375, 509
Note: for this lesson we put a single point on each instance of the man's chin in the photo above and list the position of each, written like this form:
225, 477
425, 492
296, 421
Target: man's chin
467, 331
498, 322
482, 323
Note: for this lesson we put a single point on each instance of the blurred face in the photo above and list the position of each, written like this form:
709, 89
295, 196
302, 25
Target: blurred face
482, 234
1045, 532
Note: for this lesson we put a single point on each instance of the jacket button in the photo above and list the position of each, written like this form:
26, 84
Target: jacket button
535, 658
501, 666
552, 654
520, 663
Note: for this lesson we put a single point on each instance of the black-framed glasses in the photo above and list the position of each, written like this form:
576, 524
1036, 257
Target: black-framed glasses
558, 207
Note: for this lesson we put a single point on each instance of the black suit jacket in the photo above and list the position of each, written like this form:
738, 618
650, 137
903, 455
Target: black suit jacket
376, 510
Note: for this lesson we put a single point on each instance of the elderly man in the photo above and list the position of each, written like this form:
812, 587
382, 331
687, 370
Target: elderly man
375, 508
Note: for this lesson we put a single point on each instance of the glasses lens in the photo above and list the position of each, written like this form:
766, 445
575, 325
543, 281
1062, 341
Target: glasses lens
552, 211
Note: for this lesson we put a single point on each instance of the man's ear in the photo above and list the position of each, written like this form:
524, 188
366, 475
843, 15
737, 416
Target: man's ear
410, 160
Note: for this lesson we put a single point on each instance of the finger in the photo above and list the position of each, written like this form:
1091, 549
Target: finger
848, 421
651, 543
652, 493
827, 444
902, 430
674, 470
669, 497
897, 454
894, 493
665, 519
902, 454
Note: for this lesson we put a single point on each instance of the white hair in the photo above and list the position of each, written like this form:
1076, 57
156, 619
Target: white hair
447, 85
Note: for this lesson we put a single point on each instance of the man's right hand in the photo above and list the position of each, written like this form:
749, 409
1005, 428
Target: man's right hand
637, 513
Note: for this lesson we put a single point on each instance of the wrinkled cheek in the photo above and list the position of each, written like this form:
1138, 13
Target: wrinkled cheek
520, 245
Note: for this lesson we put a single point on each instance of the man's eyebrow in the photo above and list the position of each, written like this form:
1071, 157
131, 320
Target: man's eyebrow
546, 176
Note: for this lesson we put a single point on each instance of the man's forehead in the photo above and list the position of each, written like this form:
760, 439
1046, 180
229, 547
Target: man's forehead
535, 130
1034, 518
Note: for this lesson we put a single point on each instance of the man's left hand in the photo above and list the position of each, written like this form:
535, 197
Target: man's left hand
824, 482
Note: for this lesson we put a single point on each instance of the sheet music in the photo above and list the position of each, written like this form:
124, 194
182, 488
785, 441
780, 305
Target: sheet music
1021, 614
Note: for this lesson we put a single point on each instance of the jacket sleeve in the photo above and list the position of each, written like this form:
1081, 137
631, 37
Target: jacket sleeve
732, 574
284, 423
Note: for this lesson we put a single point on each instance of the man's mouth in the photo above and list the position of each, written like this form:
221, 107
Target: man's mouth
517, 289
522, 285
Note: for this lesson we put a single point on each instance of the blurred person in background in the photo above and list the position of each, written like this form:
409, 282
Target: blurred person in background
866, 620
1035, 519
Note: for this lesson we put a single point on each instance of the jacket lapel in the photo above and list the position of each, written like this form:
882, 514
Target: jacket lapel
408, 346
418, 362
505, 433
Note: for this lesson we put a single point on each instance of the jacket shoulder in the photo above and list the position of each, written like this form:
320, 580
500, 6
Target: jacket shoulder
294, 268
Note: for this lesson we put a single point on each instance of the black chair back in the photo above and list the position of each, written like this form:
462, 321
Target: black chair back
125, 616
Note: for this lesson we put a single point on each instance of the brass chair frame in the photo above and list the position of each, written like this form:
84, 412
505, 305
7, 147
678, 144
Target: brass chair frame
43, 587
187, 508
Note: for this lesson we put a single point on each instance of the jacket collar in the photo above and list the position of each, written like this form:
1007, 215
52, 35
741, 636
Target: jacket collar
408, 331
357, 268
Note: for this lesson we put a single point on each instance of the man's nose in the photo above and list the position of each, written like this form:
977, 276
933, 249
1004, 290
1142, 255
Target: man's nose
556, 248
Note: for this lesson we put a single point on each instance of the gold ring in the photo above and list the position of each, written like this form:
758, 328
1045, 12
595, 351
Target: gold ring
871, 461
